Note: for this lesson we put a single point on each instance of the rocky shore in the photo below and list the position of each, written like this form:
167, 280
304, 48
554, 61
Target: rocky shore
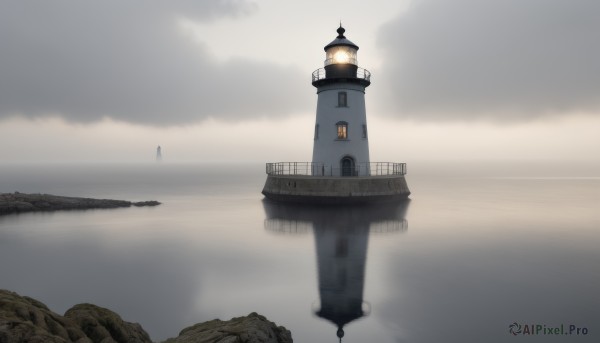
26, 320
20, 202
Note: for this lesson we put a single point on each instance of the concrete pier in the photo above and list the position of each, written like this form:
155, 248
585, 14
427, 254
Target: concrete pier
336, 190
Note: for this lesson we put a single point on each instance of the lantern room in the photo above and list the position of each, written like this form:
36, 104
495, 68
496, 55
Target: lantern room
340, 50
340, 56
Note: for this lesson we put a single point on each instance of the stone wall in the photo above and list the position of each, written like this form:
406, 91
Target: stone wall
312, 189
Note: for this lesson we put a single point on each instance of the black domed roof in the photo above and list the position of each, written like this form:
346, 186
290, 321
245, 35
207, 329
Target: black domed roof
341, 40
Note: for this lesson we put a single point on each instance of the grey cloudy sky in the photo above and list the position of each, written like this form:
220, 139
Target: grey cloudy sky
504, 60
130, 61
462, 59
221, 80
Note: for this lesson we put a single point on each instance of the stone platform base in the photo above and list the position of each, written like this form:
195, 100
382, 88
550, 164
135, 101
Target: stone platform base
336, 190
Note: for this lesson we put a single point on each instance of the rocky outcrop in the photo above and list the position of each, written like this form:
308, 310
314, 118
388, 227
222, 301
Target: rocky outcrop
21, 202
102, 325
249, 329
26, 320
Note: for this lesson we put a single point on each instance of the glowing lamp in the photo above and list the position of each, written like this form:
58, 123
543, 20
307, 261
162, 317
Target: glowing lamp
341, 50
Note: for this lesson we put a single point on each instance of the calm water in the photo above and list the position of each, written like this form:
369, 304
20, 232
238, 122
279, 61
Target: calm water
478, 248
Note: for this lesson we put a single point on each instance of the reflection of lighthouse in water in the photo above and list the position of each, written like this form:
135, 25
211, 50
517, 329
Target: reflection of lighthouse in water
341, 258
341, 241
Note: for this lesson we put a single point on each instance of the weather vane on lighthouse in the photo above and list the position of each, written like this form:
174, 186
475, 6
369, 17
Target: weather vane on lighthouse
341, 170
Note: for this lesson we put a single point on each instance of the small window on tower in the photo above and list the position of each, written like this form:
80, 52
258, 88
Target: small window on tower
364, 131
342, 130
342, 99
316, 131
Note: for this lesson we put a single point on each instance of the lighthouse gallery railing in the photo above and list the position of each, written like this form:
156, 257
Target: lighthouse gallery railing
319, 169
361, 73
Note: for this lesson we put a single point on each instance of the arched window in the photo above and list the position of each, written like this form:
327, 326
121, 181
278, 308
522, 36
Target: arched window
316, 131
342, 130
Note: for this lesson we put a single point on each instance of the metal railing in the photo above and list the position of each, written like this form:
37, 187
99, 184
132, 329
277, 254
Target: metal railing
320, 169
361, 73
364, 74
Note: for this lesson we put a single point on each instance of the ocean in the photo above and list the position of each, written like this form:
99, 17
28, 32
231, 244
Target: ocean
483, 252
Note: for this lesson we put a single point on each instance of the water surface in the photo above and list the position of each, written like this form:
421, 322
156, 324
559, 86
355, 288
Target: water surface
476, 249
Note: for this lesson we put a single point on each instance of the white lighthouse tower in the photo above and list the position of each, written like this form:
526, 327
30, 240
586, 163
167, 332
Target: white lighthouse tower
341, 142
340, 171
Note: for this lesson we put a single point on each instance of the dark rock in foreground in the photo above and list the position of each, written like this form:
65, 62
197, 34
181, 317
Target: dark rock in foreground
21, 202
252, 328
26, 320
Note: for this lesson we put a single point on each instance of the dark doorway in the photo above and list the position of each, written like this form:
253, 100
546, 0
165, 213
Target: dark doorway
347, 166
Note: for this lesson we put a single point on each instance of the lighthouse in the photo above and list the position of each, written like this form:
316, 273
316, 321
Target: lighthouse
341, 171
341, 142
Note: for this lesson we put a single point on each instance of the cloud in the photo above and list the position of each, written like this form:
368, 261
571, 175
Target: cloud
131, 61
504, 60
